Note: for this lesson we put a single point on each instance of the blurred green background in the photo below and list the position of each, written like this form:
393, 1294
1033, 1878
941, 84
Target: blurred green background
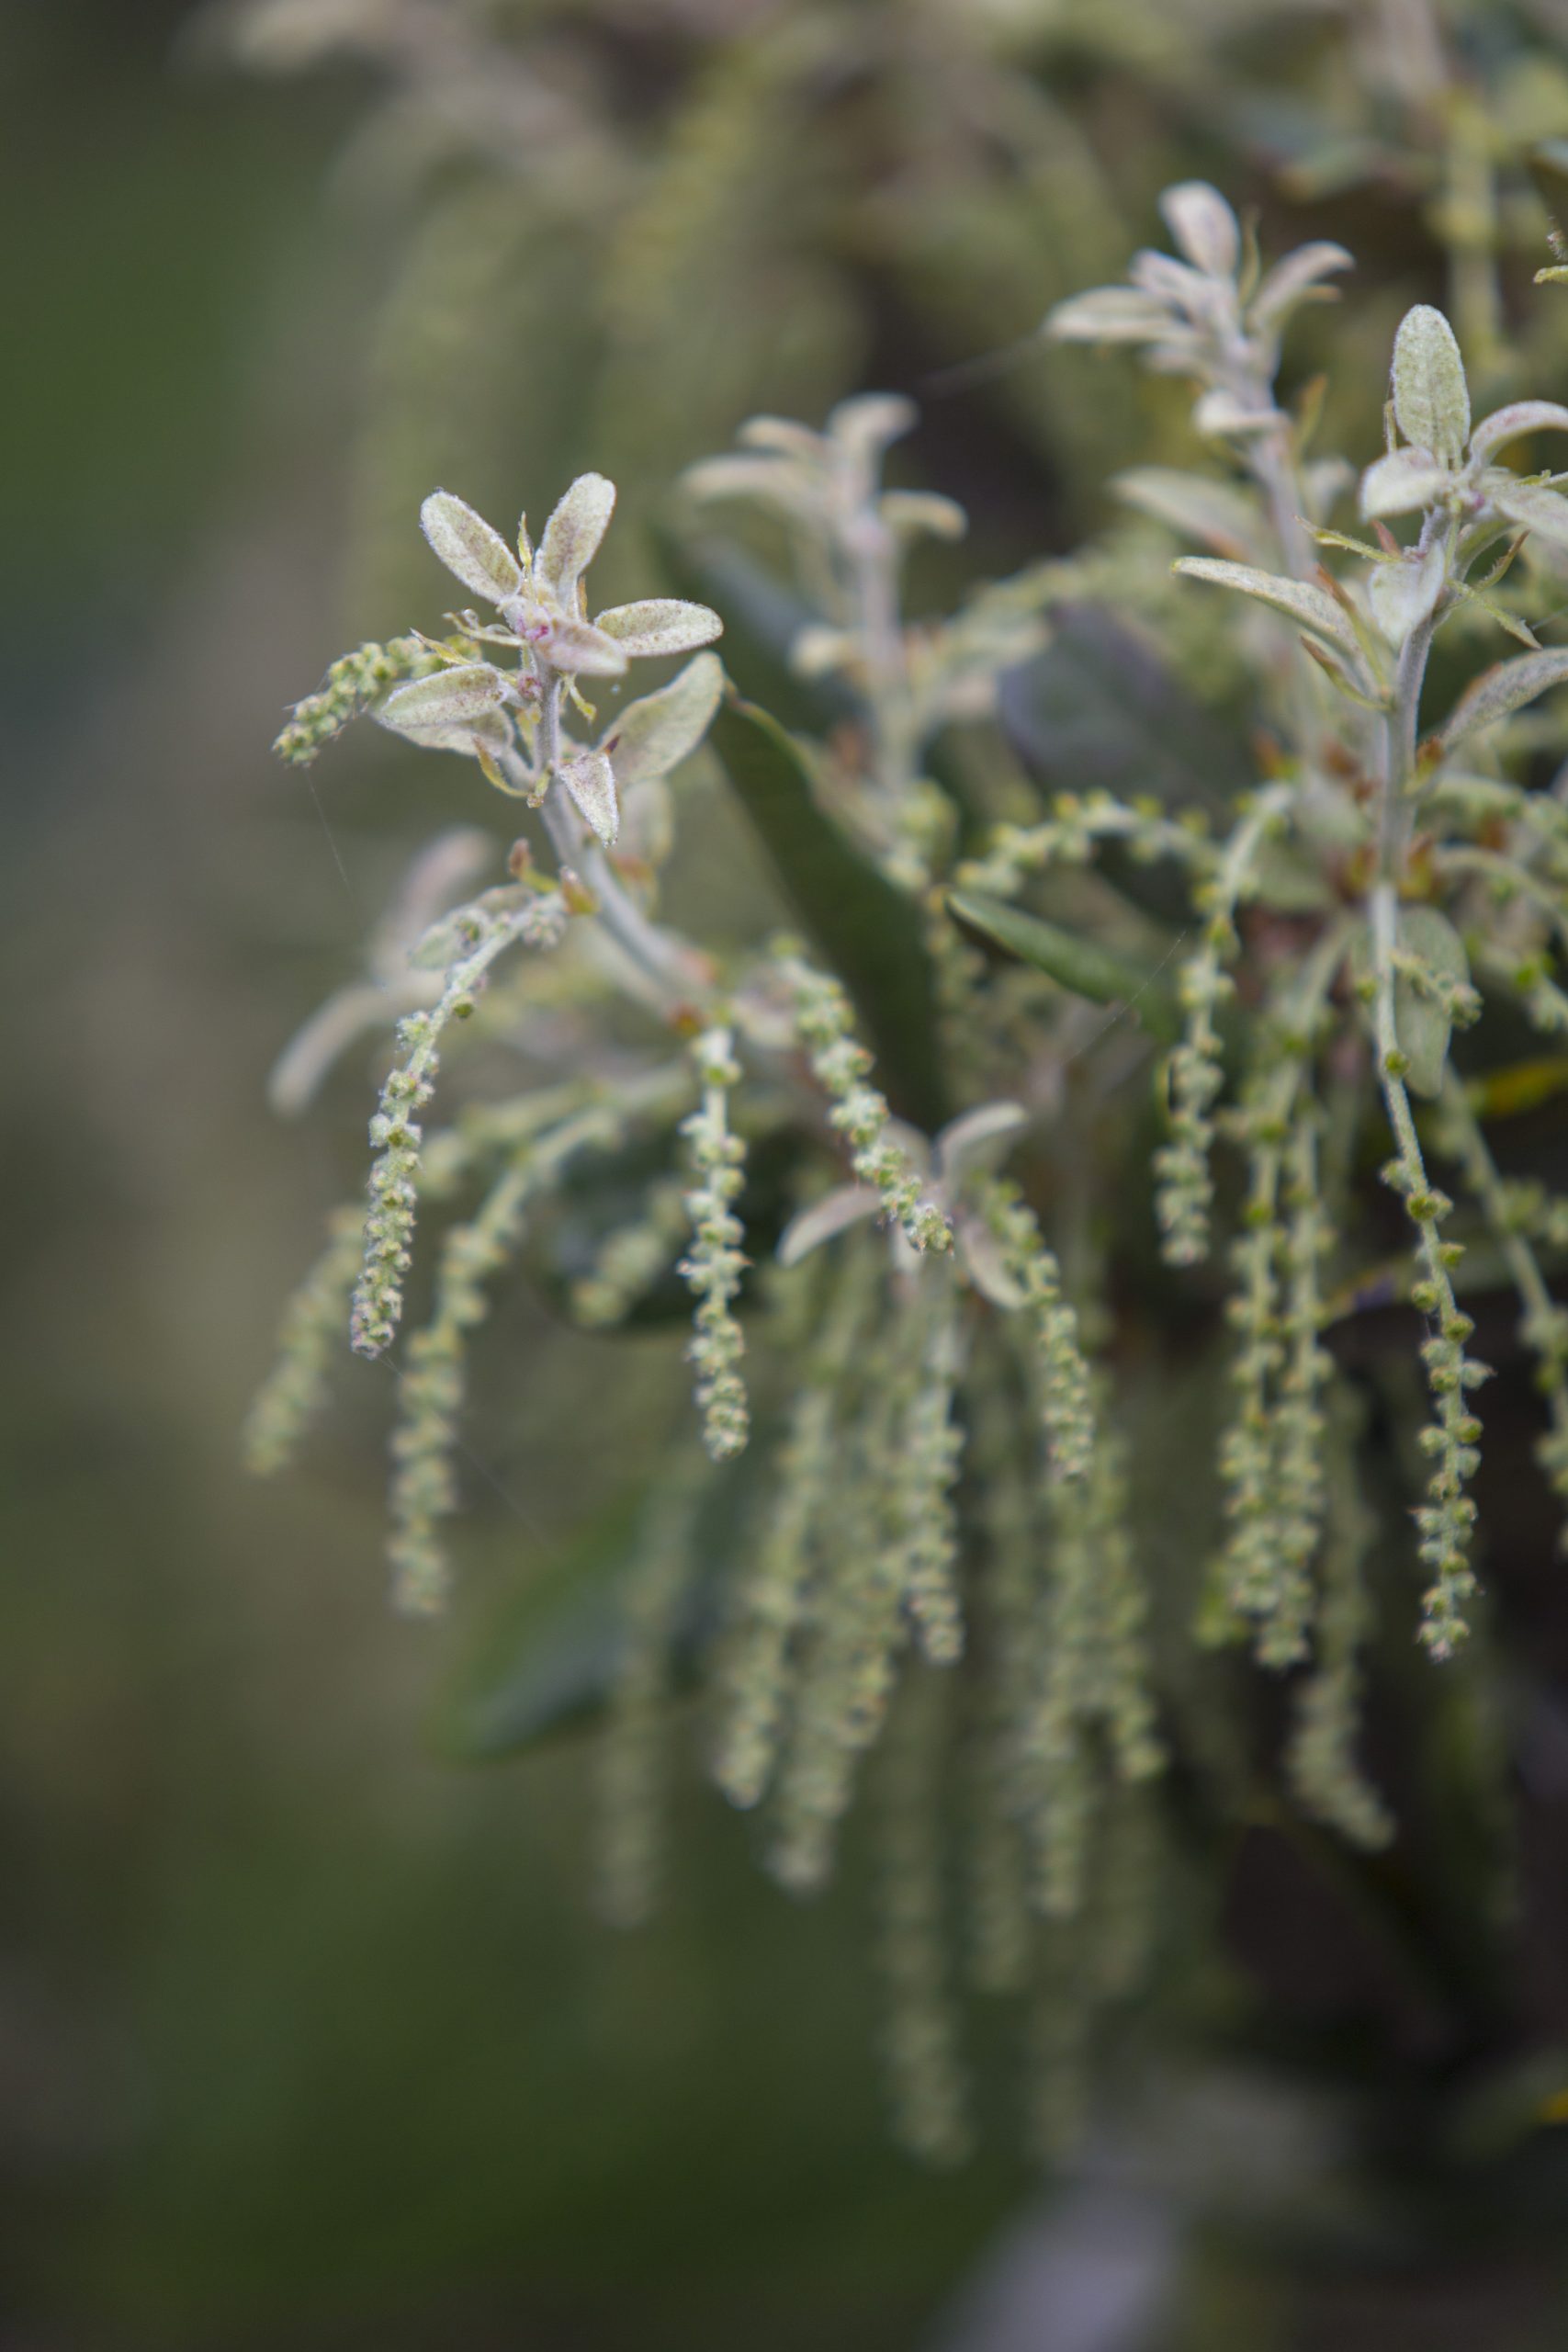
308, 2036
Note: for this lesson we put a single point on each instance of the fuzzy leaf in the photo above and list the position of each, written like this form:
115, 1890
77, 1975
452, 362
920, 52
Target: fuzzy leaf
582, 650
654, 734
977, 1139
845, 1205
1203, 226
446, 698
471, 551
1297, 279
1500, 691
660, 625
1310, 607
867, 930
1108, 314
1403, 594
1081, 966
867, 422
1511, 423
1402, 482
1431, 398
588, 777
1217, 513
1220, 413
573, 533
1533, 506
924, 510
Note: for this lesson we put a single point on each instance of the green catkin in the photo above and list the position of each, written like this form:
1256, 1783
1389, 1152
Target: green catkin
1078, 824
714, 1266
351, 683
1066, 1407
311, 1331
634, 1760
431, 1393
1446, 1518
395, 1132
1299, 1423
1320, 1758
1005, 1608
757, 1667
927, 2080
859, 1628
1195, 1074
632, 1258
1544, 1324
1094, 1682
931, 1452
432, 1387
840, 1064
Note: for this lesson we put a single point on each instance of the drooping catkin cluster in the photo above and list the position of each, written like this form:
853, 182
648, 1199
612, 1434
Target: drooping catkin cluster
943, 1553
923, 2029
714, 1266
1321, 1761
840, 1064
1067, 1402
1446, 1518
310, 1337
1184, 1184
396, 1133
635, 1763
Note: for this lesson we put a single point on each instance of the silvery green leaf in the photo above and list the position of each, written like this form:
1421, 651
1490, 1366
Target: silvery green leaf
1108, 314
847, 1204
1403, 483
1297, 279
782, 434
1511, 423
819, 651
1310, 607
316, 1045
1421, 1024
1404, 593
1215, 512
581, 649
770, 480
660, 625
924, 510
446, 698
471, 551
573, 533
866, 424
1220, 411
1203, 226
1176, 284
1431, 398
654, 734
1532, 505
648, 820
441, 872
588, 777
1501, 691
979, 1138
